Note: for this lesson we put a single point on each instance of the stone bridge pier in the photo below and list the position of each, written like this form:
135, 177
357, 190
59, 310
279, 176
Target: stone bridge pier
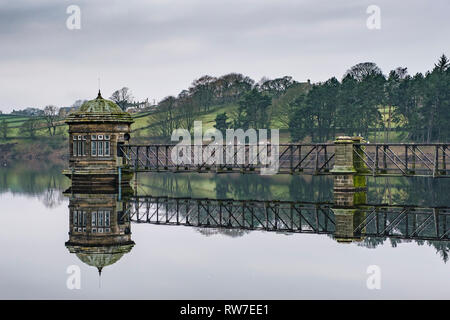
349, 188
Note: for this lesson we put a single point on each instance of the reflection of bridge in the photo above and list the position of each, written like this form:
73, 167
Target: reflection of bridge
345, 223
395, 159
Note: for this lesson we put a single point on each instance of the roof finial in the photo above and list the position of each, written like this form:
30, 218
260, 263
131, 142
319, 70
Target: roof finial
99, 276
99, 96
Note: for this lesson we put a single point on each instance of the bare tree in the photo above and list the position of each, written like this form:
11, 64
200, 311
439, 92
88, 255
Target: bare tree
402, 73
122, 98
203, 91
362, 70
187, 110
164, 120
30, 127
51, 116
77, 104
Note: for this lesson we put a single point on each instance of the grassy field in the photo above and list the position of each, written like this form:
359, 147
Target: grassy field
15, 123
208, 118
142, 128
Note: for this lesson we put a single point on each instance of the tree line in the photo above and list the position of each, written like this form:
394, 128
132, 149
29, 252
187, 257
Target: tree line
419, 105
253, 101
364, 102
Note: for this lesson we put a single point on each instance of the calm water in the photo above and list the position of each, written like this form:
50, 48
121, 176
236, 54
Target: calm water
176, 262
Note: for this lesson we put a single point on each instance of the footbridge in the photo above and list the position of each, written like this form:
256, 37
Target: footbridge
345, 155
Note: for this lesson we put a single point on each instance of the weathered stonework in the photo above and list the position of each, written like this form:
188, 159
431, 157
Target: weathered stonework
96, 243
346, 221
343, 156
350, 189
348, 159
348, 163
96, 131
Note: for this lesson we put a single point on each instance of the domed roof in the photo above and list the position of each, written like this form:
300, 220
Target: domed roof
100, 256
99, 110
100, 260
100, 105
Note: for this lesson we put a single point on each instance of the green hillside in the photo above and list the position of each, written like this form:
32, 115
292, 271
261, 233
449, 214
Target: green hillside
141, 128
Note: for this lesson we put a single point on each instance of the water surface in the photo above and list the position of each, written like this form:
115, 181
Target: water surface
177, 262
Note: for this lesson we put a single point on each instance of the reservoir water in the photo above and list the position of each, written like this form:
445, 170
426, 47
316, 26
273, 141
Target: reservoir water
191, 262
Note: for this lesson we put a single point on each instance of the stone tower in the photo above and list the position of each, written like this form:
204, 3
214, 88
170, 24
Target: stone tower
96, 132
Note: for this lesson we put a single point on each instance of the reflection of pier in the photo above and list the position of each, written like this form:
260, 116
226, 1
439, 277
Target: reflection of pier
344, 223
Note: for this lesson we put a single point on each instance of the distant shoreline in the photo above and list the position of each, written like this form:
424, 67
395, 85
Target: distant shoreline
32, 151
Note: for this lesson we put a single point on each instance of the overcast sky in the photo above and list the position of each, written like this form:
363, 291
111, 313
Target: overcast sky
158, 47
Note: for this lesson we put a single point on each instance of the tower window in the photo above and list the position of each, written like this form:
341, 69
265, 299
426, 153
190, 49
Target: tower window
79, 146
94, 218
107, 153
93, 148
107, 215
100, 218
100, 145
84, 218
100, 148
75, 147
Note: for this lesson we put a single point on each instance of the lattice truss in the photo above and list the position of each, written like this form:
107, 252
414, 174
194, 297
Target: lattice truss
370, 159
403, 159
421, 223
308, 158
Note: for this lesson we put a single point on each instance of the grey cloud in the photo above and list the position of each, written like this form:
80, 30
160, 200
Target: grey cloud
158, 47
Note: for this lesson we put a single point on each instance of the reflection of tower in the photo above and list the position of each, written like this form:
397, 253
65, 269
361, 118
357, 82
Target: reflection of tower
99, 231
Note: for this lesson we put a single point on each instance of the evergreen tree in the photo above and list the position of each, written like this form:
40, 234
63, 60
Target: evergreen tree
221, 122
371, 96
347, 100
252, 111
437, 101
301, 124
395, 93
